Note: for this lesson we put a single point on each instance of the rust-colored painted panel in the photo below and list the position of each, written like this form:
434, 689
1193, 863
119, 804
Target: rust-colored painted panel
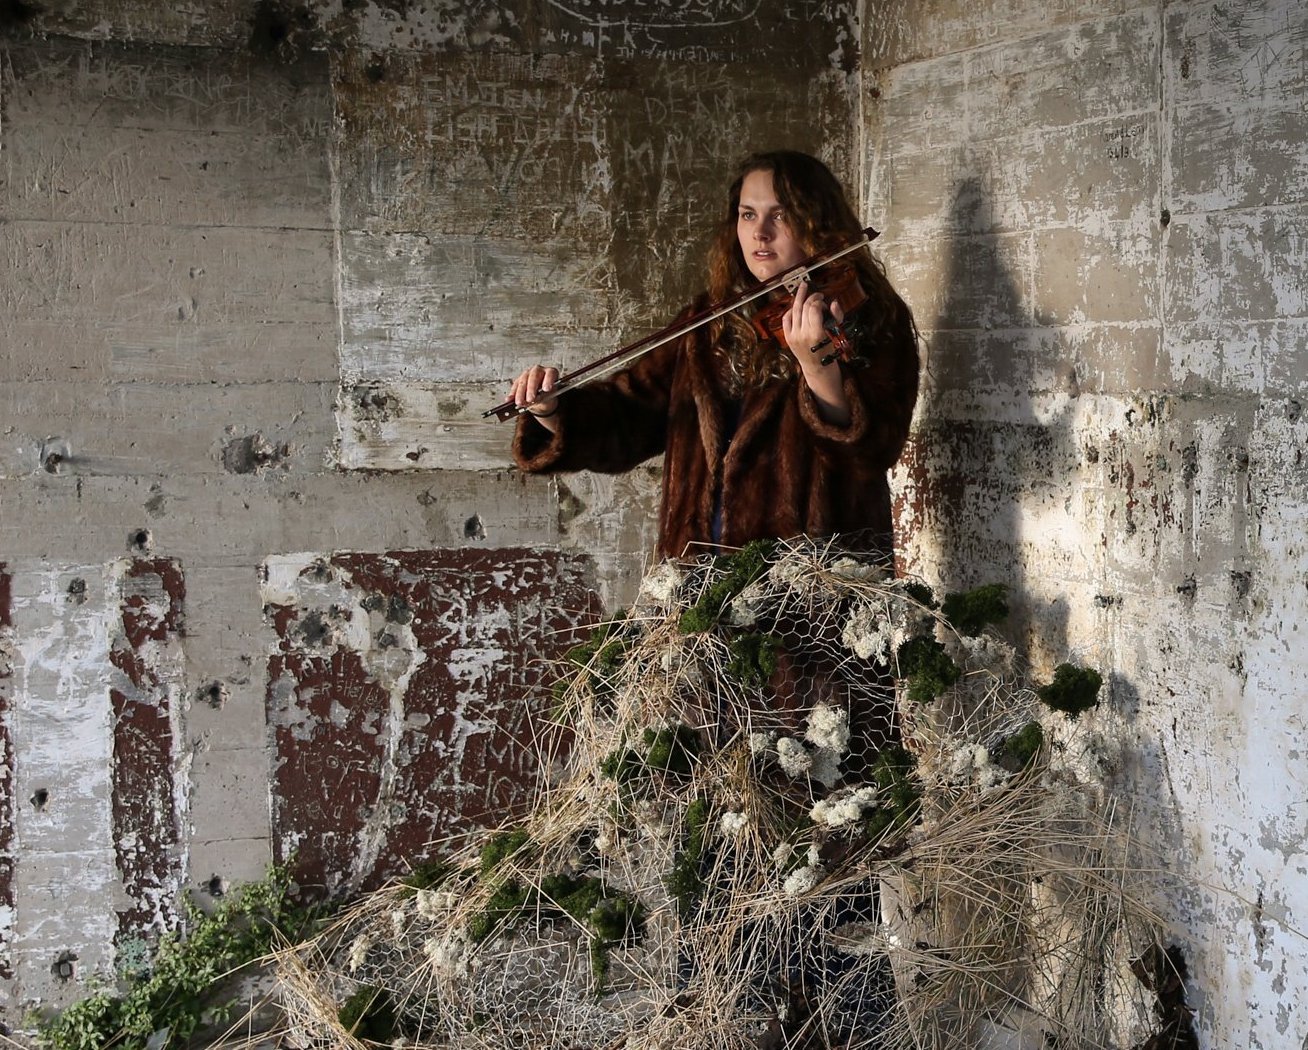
6, 776
146, 824
402, 699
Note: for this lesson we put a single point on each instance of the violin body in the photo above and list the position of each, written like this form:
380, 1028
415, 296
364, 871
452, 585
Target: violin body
837, 282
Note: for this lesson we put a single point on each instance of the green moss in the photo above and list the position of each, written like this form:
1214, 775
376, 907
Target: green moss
500, 847
369, 1014
738, 570
1073, 690
684, 880
575, 896
1023, 746
672, 749
427, 875
508, 902
971, 611
599, 965
618, 920
622, 766
928, 668
898, 792
753, 658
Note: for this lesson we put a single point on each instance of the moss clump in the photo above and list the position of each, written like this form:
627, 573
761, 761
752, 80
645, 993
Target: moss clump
623, 765
928, 668
672, 749
1022, 747
508, 902
1073, 690
427, 875
753, 658
369, 1014
898, 792
574, 896
739, 571
500, 847
684, 881
618, 920
972, 611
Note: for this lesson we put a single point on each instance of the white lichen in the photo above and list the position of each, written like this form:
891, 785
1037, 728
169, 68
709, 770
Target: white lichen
844, 808
802, 880
447, 955
825, 767
868, 632
732, 824
760, 743
432, 904
661, 583
793, 756
828, 727
359, 951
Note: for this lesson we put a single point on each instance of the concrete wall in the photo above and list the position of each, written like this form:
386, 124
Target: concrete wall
1099, 212
266, 582
267, 585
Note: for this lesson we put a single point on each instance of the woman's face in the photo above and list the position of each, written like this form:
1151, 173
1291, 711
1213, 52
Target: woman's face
764, 232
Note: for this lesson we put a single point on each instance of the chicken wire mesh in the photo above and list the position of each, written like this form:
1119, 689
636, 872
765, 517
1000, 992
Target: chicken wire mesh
797, 808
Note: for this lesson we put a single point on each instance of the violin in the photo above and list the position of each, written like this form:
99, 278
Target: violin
790, 281
838, 281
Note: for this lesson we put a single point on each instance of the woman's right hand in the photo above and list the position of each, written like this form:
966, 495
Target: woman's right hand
529, 387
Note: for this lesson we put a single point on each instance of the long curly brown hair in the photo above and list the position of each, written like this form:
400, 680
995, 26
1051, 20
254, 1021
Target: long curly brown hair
821, 219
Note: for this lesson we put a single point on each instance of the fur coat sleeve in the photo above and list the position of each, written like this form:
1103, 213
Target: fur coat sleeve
784, 471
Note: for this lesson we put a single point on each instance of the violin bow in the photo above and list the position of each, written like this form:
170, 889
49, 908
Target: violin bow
624, 356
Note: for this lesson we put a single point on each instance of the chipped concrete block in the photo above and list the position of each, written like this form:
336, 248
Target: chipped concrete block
403, 695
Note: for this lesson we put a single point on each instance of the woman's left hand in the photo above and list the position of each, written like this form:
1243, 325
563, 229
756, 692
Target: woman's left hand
804, 327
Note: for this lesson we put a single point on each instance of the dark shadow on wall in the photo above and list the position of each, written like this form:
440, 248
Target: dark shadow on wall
984, 459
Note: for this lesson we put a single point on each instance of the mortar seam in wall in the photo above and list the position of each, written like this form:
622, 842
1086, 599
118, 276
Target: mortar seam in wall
20, 220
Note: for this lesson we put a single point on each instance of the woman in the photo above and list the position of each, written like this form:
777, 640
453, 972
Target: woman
759, 440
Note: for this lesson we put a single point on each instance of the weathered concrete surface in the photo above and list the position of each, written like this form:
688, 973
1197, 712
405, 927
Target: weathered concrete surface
262, 266
405, 699
1098, 213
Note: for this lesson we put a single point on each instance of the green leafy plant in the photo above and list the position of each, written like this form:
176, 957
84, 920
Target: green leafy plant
180, 990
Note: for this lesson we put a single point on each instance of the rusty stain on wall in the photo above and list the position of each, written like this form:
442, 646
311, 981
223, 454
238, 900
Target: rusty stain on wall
147, 830
405, 696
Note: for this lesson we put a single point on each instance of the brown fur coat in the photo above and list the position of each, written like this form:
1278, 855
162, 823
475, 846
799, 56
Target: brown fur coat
783, 472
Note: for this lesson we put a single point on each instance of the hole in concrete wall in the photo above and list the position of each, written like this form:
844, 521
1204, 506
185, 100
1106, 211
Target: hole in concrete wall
77, 590
1165, 219
1241, 582
251, 453
1293, 410
140, 541
216, 886
1187, 588
39, 799
474, 529
214, 694
65, 966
